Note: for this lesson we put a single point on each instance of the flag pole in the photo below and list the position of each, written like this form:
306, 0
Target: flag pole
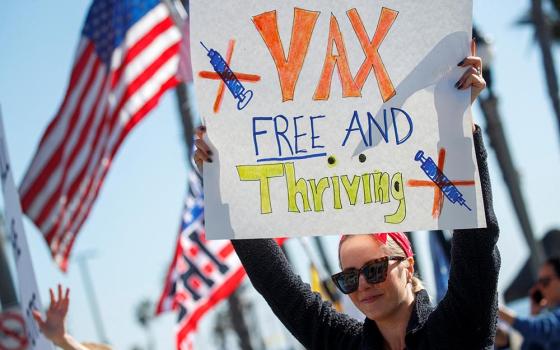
236, 307
307, 248
178, 12
90, 294
322, 254
498, 141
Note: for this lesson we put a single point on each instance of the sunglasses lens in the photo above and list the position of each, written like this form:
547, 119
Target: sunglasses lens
376, 272
347, 282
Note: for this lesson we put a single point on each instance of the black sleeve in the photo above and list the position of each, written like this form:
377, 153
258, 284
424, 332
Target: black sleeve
468, 312
311, 320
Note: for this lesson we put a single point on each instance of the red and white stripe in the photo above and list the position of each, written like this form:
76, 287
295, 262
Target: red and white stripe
224, 285
101, 106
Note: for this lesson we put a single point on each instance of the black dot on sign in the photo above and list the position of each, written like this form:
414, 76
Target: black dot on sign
362, 158
397, 186
331, 160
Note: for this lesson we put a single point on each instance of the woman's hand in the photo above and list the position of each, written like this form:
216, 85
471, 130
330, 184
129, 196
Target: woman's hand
203, 152
472, 78
53, 325
506, 315
502, 338
538, 303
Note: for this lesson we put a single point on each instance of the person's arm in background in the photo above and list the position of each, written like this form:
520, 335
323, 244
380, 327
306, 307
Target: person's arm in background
53, 325
543, 327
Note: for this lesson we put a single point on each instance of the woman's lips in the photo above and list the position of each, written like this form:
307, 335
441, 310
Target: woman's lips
371, 298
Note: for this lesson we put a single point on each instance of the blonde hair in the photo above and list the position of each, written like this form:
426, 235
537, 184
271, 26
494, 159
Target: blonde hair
395, 249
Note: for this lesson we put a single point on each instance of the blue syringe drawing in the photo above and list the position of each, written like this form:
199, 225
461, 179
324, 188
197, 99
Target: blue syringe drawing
234, 85
447, 187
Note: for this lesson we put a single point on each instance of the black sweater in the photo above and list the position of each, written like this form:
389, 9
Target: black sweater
464, 319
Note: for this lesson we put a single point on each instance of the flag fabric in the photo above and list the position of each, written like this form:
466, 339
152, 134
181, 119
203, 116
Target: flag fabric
440, 249
202, 272
127, 58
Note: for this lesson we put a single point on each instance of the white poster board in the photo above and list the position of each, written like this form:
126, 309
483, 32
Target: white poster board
328, 117
28, 292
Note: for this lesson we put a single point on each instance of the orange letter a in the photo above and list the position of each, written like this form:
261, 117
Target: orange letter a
349, 88
288, 69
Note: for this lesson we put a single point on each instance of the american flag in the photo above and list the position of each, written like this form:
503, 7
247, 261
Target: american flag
127, 58
202, 272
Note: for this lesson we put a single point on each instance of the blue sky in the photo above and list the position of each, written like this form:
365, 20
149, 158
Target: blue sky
132, 228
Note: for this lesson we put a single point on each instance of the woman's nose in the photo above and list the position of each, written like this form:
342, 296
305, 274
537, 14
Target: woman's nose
362, 282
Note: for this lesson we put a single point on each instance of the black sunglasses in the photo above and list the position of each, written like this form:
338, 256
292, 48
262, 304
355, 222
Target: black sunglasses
374, 271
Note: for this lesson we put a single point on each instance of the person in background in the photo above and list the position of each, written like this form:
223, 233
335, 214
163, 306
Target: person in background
52, 326
542, 329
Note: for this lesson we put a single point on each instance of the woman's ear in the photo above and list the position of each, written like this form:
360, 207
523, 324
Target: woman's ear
410, 268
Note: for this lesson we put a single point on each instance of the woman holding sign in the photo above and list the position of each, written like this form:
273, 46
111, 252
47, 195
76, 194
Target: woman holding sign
378, 276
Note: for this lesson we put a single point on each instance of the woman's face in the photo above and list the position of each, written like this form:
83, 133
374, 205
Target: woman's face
381, 300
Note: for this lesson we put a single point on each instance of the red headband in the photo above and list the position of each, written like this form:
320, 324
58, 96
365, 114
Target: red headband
399, 237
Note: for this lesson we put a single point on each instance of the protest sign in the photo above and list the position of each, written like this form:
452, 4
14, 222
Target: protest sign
331, 117
28, 291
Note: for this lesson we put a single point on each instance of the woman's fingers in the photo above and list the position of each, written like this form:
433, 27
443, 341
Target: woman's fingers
65, 301
474, 81
203, 152
470, 72
475, 68
38, 318
200, 131
473, 61
199, 159
53, 301
472, 77
203, 147
59, 301
198, 162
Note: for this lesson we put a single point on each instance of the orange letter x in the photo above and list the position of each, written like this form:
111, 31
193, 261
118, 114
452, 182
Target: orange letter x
373, 60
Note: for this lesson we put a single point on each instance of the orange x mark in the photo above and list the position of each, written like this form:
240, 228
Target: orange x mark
438, 193
221, 87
